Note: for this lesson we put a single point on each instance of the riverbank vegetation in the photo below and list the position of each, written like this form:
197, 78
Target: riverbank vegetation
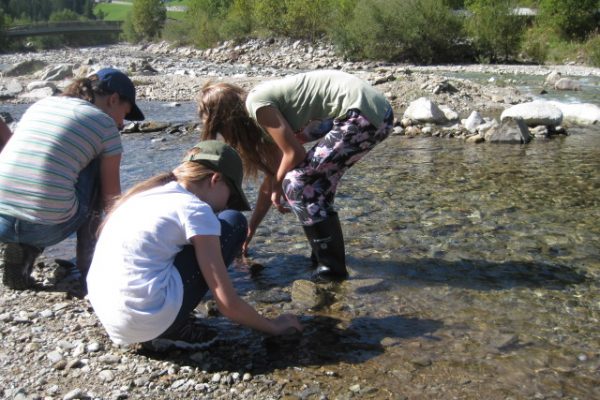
418, 31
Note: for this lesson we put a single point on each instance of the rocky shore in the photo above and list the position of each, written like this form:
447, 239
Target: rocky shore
167, 73
53, 346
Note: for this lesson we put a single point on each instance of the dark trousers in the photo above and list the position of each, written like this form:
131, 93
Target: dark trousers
234, 229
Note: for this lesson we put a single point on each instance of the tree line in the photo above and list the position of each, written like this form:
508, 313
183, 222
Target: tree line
421, 31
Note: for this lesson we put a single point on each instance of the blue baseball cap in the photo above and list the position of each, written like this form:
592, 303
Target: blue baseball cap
113, 80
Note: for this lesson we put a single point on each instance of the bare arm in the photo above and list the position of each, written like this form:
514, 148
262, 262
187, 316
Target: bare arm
292, 150
263, 204
208, 254
110, 179
5, 134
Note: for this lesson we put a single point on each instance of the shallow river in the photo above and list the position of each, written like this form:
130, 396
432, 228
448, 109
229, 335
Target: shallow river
474, 271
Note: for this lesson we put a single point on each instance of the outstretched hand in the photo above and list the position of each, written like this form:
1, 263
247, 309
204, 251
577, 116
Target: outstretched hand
286, 323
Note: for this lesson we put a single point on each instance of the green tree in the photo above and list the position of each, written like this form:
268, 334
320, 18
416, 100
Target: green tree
495, 29
307, 18
423, 31
3, 26
571, 19
205, 19
269, 15
148, 18
240, 20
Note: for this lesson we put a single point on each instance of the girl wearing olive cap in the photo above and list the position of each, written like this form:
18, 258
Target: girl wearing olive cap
162, 248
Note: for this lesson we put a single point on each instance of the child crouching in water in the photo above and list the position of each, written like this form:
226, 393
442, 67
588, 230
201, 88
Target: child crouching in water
162, 248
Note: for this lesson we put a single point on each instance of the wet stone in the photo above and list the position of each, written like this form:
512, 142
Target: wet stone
308, 294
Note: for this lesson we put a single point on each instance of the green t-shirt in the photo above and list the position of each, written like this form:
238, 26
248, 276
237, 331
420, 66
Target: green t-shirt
318, 95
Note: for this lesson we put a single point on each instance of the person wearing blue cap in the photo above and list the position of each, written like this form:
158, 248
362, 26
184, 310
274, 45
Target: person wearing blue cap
60, 170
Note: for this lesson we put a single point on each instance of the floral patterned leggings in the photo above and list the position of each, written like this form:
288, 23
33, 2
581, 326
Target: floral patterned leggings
310, 187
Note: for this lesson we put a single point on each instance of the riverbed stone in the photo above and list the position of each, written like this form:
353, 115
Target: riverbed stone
511, 130
25, 67
57, 72
567, 84
10, 88
307, 294
424, 110
473, 121
579, 113
534, 113
552, 78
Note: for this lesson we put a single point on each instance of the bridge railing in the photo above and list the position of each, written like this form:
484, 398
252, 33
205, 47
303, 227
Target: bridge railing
45, 28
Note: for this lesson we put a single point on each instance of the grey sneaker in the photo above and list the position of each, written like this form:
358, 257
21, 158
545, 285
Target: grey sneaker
191, 336
17, 262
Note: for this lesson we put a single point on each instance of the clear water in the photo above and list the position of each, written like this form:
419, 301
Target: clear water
474, 269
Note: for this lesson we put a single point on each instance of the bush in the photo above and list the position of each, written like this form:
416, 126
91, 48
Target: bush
535, 46
423, 31
572, 19
592, 50
148, 18
494, 29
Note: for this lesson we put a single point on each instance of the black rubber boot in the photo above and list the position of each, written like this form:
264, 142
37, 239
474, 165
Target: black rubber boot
327, 244
17, 262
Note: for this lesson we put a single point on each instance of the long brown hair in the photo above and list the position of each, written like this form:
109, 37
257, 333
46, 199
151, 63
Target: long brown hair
187, 171
221, 107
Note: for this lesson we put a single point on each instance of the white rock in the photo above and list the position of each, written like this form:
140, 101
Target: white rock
579, 113
534, 113
424, 110
473, 121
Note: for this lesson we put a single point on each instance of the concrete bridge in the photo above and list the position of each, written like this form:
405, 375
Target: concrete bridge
55, 28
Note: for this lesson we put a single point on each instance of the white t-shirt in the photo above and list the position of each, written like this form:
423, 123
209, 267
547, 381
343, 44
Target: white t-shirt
135, 289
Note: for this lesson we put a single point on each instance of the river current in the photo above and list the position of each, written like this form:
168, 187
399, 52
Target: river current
474, 268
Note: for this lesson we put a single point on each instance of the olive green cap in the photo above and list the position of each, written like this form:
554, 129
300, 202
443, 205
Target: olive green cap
220, 157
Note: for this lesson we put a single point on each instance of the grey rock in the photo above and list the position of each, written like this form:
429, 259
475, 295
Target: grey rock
511, 130
56, 73
9, 88
25, 68
567, 84
307, 294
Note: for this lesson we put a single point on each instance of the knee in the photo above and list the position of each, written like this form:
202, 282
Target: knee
235, 222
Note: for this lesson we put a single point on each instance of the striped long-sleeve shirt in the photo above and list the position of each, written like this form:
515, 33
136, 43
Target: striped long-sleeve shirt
55, 139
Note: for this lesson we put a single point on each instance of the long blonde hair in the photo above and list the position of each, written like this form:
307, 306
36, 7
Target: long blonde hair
186, 172
221, 107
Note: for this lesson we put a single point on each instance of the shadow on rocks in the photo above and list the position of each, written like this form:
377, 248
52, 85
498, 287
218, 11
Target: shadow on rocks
325, 340
472, 274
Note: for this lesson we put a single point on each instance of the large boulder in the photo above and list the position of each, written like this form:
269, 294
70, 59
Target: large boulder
567, 84
9, 88
424, 110
511, 130
534, 113
25, 68
57, 72
579, 113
